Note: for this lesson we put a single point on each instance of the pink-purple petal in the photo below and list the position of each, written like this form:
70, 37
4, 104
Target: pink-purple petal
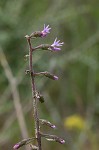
56, 45
45, 31
56, 49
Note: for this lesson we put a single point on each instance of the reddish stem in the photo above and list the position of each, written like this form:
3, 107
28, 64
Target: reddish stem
36, 118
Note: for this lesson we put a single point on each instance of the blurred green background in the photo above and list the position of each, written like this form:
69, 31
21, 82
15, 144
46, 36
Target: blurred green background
72, 102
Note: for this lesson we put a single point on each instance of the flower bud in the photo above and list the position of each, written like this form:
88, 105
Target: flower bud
23, 142
51, 76
53, 138
45, 122
20, 144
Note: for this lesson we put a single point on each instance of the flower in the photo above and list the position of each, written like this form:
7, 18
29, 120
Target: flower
74, 122
45, 31
56, 45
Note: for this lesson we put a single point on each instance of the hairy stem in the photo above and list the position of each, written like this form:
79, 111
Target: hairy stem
36, 118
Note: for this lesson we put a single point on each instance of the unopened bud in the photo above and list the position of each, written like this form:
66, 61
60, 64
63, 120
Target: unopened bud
23, 142
53, 138
20, 144
51, 76
45, 122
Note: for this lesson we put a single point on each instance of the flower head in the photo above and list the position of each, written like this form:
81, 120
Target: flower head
45, 31
56, 45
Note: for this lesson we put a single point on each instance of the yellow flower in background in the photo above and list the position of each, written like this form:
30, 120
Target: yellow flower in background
74, 122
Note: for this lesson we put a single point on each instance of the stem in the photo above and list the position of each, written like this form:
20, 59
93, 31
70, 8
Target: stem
36, 118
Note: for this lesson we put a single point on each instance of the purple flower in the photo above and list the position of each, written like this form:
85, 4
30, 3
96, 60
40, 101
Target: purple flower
56, 45
45, 31
16, 146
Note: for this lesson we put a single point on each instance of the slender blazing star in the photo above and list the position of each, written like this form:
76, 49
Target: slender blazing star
56, 45
45, 31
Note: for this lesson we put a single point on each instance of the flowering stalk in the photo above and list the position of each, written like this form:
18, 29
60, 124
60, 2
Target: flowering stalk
36, 96
37, 132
